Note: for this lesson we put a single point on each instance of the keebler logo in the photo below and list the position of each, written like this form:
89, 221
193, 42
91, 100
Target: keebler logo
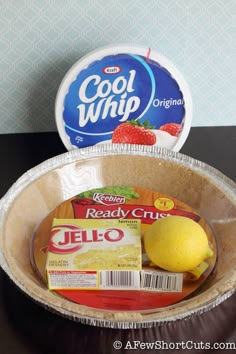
108, 199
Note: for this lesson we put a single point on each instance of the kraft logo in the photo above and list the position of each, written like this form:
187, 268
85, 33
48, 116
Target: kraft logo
112, 70
108, 199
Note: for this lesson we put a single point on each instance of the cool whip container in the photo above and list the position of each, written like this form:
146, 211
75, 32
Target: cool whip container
115, 85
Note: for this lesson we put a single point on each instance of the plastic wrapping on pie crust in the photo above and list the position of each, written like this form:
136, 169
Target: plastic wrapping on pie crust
45, 186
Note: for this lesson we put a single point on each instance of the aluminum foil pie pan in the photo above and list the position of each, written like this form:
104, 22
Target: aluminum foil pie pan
44, 187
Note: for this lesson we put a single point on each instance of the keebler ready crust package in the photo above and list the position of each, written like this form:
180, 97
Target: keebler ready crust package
92, 246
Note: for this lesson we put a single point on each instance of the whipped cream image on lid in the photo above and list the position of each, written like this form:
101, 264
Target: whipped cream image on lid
123, 94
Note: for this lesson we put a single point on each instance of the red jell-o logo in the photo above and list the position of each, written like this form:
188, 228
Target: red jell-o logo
68, 238
108, 199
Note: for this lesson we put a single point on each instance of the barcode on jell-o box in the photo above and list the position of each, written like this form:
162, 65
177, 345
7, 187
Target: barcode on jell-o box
94, 254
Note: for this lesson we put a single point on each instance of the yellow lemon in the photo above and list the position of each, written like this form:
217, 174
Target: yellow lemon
176, 243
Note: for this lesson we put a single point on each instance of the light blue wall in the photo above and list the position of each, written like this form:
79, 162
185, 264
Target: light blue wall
40, 40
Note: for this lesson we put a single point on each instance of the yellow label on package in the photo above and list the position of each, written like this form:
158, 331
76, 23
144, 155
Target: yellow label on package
94, 254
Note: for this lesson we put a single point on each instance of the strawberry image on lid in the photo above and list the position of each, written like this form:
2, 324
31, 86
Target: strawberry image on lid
173, 129
123, 94
133, 132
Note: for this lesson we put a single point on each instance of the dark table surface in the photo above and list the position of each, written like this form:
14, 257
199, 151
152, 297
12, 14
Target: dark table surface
27, 328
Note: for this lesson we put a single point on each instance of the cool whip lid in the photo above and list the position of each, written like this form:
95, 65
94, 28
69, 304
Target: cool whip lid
115, 85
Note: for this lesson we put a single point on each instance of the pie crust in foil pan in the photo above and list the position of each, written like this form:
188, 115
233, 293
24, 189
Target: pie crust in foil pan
41, 189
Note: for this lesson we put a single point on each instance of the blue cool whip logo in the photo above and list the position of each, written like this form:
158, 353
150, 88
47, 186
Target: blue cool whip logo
116, 89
